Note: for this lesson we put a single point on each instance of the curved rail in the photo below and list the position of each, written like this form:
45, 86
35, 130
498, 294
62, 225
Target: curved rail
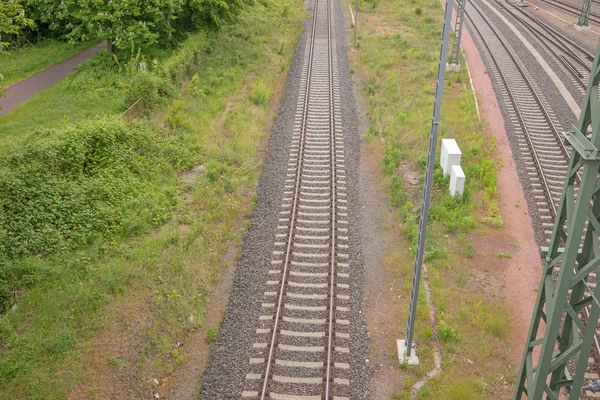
571, 9
551, 39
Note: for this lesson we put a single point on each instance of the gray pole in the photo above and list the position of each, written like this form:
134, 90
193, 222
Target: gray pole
355, 24
435, 120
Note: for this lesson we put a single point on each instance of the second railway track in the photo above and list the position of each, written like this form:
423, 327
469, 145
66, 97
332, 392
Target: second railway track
301, 350
537, 133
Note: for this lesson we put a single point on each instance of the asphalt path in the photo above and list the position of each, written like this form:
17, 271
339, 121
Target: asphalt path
27, 88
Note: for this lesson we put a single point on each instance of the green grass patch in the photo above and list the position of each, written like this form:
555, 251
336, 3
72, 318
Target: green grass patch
30, 59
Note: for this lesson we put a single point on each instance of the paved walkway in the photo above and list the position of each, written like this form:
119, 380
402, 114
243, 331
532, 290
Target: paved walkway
27, 88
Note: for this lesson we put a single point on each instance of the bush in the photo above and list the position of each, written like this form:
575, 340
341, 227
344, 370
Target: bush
67, 187
153, 89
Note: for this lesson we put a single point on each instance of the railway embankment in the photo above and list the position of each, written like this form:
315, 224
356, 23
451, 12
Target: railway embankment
114, 233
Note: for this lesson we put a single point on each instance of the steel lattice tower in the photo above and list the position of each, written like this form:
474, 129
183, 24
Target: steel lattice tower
556, 330
584, 18
454, 58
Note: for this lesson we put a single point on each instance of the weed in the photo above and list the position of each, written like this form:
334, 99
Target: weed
114, 361
503, 255
260, 93
441, 305
446, 333
391, 160
177, 357
211, 335
496, 324
426, 333
462, 275
418, 11
469, 250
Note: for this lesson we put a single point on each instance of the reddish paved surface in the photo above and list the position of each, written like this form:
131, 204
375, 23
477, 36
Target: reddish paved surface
27, 88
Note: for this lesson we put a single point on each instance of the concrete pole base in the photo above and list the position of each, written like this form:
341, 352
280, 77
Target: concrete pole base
402, 358
453, 67
581, 28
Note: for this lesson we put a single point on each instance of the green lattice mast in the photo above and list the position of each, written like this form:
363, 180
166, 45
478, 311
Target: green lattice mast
555, 342
584, 17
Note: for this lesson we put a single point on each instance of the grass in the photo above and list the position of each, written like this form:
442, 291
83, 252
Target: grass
30, 59
396, 65
144, 288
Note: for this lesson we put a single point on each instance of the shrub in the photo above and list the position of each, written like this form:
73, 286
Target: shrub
418, 11
100, 178
176, 115
155, 90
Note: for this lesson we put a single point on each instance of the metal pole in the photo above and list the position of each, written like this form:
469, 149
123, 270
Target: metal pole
355, 24
435, 120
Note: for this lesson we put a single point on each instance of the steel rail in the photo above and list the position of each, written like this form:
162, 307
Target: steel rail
333, 212
534, 93
557, 34
290, 242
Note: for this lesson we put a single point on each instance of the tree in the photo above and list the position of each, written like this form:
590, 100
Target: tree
132, 23
12, 19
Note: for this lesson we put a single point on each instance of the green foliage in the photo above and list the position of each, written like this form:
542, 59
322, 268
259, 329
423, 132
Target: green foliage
418, 11
211, 335
12, 19
138, 23
373, 3
391, 160
397, 196
170, 268
496, 324
67, 187
447, 333
176, 114
260, 93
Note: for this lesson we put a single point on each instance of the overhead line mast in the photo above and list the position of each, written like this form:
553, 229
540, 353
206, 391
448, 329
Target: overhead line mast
556, 333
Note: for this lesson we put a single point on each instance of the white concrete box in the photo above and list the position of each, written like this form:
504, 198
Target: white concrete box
457, 180
450, 155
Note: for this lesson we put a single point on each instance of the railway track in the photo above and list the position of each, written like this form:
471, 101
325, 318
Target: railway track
301, 349
536, 130
572, 10
535, 127
574, 59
